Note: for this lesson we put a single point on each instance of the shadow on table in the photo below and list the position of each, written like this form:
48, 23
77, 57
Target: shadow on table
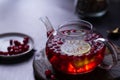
17, 59
98, 74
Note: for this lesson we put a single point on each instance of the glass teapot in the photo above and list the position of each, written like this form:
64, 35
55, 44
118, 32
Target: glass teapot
74, 48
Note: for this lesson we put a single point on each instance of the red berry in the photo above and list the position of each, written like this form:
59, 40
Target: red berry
25, 41
20, 50
73, 30
5, 53
17, 43
11, 42
26, 47
60, 42
20, 46
15, 47
1, 52
26, 38
16, 51
48, 73
9, 48
11, 52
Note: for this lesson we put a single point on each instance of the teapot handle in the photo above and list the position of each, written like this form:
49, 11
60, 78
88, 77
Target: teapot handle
113, 52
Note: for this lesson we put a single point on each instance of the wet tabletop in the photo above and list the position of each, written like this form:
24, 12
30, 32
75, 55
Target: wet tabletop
22, 16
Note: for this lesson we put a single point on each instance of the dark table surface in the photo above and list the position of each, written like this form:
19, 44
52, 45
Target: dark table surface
23, 16
109, 21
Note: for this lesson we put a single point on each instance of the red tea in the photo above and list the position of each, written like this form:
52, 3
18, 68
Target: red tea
77, 63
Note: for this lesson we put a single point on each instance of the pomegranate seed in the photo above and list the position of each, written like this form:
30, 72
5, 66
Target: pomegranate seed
20, 46
26, 38
49, 33
59, 42
15, 47
25, 41
11, 42
1, 52
26, 47
9, 48
48, 73
16, 51
20, 50
17, 43
11, 52
5, 53
73, 30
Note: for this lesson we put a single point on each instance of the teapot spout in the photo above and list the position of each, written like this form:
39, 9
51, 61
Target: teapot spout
48, 26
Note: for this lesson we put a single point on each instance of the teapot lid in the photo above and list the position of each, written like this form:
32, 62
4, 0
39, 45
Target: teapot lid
74, 29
